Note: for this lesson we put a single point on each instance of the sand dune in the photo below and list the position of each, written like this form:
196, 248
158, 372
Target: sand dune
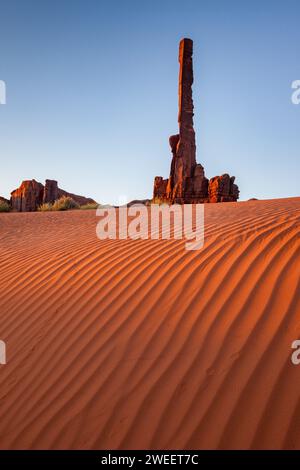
142, 344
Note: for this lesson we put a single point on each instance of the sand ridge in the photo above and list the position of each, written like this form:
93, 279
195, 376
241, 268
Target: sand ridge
142, 344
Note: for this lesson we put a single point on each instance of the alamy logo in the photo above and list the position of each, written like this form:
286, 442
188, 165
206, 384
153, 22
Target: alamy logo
295, 357
2, 352
2, 92
296, 94
165, 222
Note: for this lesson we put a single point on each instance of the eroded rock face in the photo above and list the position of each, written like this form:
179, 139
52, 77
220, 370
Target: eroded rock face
187, 182
223, 189
50, 191
31, 194
183, 145
160, 188
28, 197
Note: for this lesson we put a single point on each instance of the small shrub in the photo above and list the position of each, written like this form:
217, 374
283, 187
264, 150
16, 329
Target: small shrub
91, 205
65, 203
47, 206
159, 201
4, 206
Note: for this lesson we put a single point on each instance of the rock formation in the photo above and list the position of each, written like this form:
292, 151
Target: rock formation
50, 191
27, 197
187, 182
6, 201
81, 200
31, 194
223, 189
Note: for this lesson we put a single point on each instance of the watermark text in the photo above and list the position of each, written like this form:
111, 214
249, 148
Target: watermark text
296, 94
164, 222
2, 352
295, 357
2, 92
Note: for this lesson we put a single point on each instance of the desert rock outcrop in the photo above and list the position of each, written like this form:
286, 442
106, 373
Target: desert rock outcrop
27, 197
187, 182
50, 191
31, 194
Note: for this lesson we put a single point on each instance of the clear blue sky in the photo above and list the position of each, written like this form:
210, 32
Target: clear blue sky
92, 93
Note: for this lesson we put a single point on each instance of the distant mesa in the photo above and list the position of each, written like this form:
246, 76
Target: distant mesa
6, 201
31, 194
187, 182
144, 202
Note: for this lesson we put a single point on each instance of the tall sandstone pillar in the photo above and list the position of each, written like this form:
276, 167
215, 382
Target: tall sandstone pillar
183, 144
187, 182
187, 145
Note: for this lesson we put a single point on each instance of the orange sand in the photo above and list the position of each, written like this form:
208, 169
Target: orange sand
141, 344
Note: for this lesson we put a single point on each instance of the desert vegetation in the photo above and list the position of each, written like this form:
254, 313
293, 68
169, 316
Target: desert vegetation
65, 203
4, 206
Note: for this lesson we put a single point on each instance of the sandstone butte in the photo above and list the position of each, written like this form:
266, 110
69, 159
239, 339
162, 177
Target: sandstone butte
31, 194
187, 182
